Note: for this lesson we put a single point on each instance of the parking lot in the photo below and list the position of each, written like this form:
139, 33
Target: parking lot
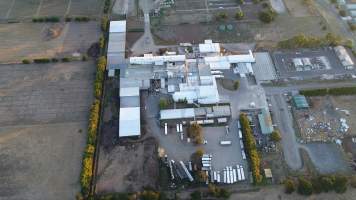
323, 61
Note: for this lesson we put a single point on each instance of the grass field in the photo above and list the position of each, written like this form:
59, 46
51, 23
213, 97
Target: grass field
26, 9
31, 40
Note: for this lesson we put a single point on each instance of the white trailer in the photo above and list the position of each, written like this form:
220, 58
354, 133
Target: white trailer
208, 121
238, 124
228, 175
225, 142
231, 175
186, 171
216, 72
235, 176
218, 176
190, 166
242, 173
225, 177
243, 154
181, 136
165, 128
214, 175
238, 173
242, 144
240, 134
181, 128
177, 128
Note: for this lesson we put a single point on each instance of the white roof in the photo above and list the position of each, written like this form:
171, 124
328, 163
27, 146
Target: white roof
129, 124
118, 26
223, 62
209, 48
177, 113
129, 91
150, 59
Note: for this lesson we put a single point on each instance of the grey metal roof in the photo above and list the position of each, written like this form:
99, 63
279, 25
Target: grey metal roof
263, 68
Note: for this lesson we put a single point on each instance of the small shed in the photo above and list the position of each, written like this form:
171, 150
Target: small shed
300, 102
268, 174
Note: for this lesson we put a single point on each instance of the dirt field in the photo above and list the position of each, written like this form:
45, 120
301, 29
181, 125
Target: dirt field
30, 40
124, 165
26, 9
43, 128
199, 25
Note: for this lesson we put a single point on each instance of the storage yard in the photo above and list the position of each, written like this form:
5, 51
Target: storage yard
323, 121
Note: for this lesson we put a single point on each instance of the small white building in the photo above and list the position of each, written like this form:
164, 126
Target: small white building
344, 57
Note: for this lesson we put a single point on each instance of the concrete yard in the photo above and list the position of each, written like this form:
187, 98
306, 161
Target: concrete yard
44, 111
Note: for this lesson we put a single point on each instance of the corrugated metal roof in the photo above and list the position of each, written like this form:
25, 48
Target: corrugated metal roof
129, 91
264, 69
209, 48
118, 26
177, 113
129, 123
265, 122
300, 101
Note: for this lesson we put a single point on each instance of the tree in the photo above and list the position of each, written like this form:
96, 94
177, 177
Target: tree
289, 186
317, 187
221, 15
195, 131
201, 176
342, 13
276, 136
196, 195
304, 187
104, 23
26, 61
267, 16
149, 195
196, 156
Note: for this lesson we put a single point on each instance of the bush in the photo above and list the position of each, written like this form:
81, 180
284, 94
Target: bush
163, 104
239, 15
41, 60
196, 195
54, 60
340, 184
236, 85
26, 61
218, 192
304, 187
342, 13
104, 23
289, 186
317, 186
276, 136
221, 15
68, 19
327, 183
81, 19
66, 59
314, 92
251, 150
353, 181
84, 58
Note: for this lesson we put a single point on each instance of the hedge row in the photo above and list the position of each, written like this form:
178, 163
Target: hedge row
48, 60
107, 6
46, 19
250, 148
88, 157
330, 91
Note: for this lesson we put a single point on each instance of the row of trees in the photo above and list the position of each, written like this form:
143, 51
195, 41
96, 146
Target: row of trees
324, 183
330, 91
251, 150
54, 19
86, 174
305, 41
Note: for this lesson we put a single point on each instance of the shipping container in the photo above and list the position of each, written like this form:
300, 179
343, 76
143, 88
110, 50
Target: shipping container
177, 128
235, 175
165, 128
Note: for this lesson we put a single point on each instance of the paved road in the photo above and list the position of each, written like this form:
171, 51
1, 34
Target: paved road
284, 121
